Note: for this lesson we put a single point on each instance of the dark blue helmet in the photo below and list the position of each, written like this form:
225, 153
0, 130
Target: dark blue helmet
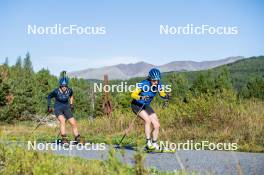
154, 74
64, 81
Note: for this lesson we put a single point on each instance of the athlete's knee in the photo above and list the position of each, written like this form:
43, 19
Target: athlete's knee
155, 121
62, 119
74, 123
156, 125
145, 117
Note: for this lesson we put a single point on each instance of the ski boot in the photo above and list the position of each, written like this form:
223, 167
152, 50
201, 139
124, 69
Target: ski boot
149, 146
63, 141
79, 140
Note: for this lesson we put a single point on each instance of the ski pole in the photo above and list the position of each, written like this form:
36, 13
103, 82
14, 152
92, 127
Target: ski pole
165, 104
130, 126
38, 125
166, 101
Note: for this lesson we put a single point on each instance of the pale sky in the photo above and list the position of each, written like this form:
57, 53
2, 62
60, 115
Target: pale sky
132, 31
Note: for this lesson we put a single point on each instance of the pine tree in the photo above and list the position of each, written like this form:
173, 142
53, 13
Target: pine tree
4, 91
6, 63
41, 89
27, 63
18, 62
24, 104
223, 81
204, 83
180, 85
254, 88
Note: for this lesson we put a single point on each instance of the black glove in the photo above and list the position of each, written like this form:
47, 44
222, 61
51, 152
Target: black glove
144, 98
50, 109
168, 96
72, 107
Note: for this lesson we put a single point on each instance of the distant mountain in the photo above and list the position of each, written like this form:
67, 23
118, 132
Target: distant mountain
140, 69
120, 71
194, 66
241, 72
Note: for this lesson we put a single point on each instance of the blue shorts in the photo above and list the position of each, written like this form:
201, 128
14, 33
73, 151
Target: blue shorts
64, 110
137, 107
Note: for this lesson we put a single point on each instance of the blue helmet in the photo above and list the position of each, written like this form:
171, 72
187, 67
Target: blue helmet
64, 81
154, 74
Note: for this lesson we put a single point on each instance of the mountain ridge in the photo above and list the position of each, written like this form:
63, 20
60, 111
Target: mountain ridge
139, 69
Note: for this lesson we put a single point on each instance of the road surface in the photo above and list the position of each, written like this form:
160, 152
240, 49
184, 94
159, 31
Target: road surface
204, 162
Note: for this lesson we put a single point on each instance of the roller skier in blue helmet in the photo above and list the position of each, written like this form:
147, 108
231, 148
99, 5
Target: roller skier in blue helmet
142, 96
63, 108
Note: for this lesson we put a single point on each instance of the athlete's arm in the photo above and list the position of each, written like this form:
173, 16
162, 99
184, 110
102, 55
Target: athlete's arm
162, 93
135, 94
165, 95
71, 100
50, 96
71, 97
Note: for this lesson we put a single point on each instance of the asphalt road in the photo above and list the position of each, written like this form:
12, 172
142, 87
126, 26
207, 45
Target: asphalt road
204, 162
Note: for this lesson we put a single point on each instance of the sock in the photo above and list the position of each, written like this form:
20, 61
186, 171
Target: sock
148, 142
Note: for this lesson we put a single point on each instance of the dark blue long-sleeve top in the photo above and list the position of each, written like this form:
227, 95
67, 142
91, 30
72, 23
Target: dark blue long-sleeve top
61, 98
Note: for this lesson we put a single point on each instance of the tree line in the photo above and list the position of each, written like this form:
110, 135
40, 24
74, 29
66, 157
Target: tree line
23, 92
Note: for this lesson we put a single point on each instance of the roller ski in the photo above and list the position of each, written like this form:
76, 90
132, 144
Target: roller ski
66, 143
155, 148
63, 141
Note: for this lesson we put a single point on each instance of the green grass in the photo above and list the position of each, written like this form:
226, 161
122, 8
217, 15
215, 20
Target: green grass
17, 160
217, 119
203, 118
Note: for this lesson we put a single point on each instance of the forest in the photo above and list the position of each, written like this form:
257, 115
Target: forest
23, 92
